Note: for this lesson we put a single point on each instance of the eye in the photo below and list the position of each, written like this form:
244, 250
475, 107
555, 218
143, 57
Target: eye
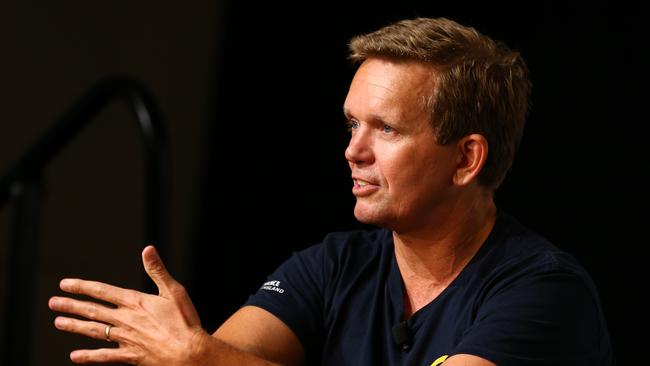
388, 129
352, 124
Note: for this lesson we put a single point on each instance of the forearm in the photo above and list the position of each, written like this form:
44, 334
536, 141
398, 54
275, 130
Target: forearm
211, 351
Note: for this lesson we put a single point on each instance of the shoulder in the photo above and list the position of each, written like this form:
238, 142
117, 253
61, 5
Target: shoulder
541, 296
337, 253
346, 245
523, 271
516, 249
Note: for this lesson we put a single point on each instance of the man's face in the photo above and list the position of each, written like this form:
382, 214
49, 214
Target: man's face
401, 176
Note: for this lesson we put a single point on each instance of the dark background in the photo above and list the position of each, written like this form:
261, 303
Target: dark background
252, 97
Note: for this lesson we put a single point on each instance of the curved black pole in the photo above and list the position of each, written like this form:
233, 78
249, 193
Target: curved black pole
21, 271
21, 184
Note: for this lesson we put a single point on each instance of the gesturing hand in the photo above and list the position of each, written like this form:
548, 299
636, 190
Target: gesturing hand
150, 329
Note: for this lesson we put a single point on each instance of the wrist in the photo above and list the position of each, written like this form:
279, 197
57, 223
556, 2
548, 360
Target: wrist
199, 348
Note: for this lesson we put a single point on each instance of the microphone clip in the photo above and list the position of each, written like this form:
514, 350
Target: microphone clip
402, 335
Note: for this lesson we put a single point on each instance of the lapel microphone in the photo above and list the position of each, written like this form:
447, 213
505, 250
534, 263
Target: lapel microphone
402, 335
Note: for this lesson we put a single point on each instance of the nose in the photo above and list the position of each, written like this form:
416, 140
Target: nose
359, 150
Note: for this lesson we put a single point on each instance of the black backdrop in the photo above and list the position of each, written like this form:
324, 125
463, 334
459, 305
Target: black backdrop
275, 179
271, 174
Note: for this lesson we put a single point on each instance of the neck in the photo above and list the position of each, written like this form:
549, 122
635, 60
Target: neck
430, 257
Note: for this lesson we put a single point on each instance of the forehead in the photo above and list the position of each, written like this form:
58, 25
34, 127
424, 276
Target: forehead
394, 87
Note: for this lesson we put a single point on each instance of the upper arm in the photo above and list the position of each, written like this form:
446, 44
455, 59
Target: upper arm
255, 330
467, 360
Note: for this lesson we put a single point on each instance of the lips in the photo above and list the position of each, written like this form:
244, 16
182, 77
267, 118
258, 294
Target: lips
363, 187
360, 182
363, 181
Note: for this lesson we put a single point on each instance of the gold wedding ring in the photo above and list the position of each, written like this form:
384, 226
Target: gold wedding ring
107, 333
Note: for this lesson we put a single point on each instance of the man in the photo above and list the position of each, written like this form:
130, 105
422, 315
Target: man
435, 112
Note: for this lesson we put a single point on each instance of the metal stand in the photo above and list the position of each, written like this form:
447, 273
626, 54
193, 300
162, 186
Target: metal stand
22, 186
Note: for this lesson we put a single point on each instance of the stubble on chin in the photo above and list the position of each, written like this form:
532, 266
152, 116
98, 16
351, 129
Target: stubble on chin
371, 214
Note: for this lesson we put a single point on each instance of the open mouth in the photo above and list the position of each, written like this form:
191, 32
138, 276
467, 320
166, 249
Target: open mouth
360, 183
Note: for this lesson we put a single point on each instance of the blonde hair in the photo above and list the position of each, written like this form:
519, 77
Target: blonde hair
481, 86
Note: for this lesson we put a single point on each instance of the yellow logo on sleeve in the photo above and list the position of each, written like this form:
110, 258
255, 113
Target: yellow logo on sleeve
439, 360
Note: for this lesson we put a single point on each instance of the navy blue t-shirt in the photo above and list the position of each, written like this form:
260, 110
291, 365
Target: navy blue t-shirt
519, 301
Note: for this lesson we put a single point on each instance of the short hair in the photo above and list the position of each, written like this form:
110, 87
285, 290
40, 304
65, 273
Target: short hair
481, 86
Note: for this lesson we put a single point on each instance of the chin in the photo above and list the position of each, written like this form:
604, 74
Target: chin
369, 216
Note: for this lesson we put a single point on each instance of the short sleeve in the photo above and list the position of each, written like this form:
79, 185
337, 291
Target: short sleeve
547, 317
294, 293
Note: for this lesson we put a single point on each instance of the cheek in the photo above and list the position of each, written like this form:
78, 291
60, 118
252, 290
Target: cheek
414, 171
401, 168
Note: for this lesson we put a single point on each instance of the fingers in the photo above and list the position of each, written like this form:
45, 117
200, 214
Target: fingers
103, 355
98, 290
86, 309
98, 331
168, 287
155, 268
88, 328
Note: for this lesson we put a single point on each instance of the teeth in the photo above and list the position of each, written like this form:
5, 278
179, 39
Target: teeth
360, 183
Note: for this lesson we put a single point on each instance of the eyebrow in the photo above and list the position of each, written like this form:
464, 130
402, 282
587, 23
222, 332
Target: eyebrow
373, 117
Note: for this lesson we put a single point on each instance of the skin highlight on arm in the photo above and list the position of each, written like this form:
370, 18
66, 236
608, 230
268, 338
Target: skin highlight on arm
467, 360
258, 332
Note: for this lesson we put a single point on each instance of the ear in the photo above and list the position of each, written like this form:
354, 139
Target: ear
472, 154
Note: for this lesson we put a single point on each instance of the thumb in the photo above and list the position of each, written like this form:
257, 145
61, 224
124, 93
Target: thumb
157, 270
